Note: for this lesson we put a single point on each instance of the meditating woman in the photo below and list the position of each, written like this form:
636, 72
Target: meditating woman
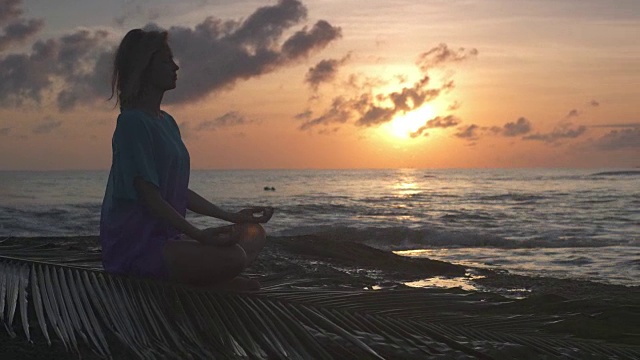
143, 229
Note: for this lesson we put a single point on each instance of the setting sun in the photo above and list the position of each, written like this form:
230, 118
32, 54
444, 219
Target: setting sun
402, 126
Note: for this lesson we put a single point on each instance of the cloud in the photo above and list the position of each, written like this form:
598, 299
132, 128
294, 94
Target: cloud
324, 71
5, 131
563, 131
136, 12
376, 115
419, 132
186, 130
442, 54
213, 56
443, 122
340, 111
329, 131
265, 26
84, 62
572, 113
216, 54
303, 41
80, 60
520, 127
16, 30
623, 125
305, 115
232, 118
619, 140
367, 108
469, 132
510, 129
47, 126
516, 128
437, 122
455, 106
9, 9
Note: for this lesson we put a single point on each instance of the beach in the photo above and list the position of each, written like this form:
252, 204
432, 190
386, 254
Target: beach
601, 317
476, 263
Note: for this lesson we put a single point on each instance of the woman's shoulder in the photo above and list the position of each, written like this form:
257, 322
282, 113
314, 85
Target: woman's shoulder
170, 118
135, 117
132, 121
167, 115
131, 114
139, 119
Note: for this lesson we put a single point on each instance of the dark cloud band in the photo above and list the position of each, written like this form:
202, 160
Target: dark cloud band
213, 56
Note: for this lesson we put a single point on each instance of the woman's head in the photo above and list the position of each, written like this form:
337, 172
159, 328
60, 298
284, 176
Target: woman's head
143, 62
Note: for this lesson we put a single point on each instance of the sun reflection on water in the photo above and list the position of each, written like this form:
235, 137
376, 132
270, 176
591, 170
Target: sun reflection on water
462, 282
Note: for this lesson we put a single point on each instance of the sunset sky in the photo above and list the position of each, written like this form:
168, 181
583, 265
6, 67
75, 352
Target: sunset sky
335, 83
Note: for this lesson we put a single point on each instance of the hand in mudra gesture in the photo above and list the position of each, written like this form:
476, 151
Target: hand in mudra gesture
218, 236
256, 215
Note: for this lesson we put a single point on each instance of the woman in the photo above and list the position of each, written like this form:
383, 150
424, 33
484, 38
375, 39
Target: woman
147, 195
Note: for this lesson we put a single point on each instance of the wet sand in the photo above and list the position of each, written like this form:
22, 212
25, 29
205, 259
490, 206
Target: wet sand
579, 310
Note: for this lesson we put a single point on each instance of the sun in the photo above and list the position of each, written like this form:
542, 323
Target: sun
402, 126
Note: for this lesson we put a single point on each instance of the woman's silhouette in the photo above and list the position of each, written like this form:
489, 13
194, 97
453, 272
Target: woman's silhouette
143, 229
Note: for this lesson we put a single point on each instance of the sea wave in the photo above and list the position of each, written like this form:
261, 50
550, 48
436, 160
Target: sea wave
578, 261
513, 197
63, 220
468, 216
403, 238
617, 173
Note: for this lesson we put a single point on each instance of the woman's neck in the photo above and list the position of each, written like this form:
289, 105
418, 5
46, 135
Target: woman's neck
150, 103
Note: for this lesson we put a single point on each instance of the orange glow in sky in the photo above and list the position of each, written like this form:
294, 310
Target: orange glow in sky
406, 124
365, 84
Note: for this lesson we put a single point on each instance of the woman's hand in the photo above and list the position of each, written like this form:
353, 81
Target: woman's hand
256, 215
217, 236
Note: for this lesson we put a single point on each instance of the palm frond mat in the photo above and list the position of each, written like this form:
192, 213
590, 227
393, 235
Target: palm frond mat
91, 312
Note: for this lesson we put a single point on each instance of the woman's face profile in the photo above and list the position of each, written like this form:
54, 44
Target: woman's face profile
163, 70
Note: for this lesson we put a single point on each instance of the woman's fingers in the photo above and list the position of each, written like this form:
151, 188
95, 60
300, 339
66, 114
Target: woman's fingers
257, 214
267, 213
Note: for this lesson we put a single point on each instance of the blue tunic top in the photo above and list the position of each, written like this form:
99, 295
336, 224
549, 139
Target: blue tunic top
151, 148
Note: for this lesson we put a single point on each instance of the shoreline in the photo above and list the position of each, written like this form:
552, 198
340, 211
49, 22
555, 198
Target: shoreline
358, 265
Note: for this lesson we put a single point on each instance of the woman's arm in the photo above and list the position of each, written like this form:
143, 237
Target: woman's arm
159, 207
162, 209
200, 205
150, 195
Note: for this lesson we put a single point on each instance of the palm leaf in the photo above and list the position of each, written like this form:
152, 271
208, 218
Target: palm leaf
23, 279
85, 308
38, 304
12, 283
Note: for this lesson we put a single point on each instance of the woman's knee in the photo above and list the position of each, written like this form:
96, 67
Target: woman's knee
232, 259
249, 230
194, 263
223, 265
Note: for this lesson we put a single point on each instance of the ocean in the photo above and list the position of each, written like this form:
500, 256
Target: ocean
567, 223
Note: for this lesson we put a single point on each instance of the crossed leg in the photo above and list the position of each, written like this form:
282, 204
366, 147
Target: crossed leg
193, 263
